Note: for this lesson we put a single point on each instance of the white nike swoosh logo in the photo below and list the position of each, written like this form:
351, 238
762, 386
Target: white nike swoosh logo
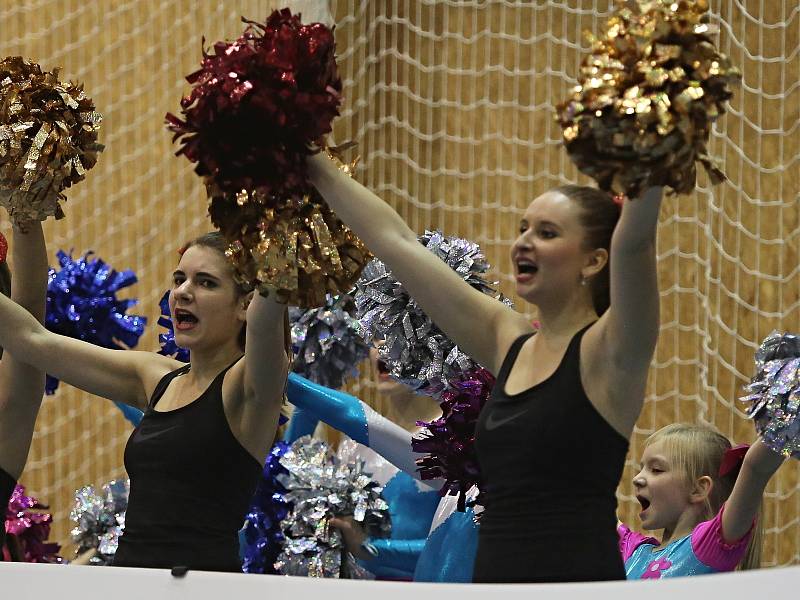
492, 423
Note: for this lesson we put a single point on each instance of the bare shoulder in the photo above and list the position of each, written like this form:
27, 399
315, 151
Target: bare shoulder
152, 368
509, 325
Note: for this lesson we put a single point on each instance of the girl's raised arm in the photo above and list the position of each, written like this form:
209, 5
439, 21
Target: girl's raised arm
123, 375
453, 305
21, 385
259, 379
627, 332
760, 464
631, 322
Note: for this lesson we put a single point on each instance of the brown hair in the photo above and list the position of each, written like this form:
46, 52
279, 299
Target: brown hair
697, 451
599, 217
216, 241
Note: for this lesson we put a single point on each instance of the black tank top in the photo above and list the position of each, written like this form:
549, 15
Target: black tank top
191, 483
551, 464
7, 485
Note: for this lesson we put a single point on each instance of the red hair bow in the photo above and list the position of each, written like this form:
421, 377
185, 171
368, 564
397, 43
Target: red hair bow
732, 459
3, 248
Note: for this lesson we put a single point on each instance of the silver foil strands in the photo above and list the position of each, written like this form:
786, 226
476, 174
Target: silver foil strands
326, 341
321, 487
99, 519
415, 351
774, 393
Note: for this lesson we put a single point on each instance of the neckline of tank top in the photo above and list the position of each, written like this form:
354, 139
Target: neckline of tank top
547, 379
152, 408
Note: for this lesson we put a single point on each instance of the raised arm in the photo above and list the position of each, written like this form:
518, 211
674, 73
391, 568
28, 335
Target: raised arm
29, 283
451, 303
760, 464
632, 321
622, 342
21, 385
122, 375
262, 375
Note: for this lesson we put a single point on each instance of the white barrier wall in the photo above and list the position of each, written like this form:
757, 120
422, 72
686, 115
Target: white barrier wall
21, 581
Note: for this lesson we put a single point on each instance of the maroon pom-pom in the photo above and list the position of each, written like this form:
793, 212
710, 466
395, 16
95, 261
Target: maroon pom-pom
260, 106
449, 441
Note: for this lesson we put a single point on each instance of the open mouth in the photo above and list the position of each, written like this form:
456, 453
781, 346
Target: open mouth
644, 502
526, 267
184, 319
383, 370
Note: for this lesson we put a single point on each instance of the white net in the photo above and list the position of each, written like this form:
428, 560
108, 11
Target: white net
451, 102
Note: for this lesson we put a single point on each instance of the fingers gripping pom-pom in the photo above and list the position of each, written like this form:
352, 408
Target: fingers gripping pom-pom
48, 139
415, 351
647, 97
82, 303
321, 487
774, 393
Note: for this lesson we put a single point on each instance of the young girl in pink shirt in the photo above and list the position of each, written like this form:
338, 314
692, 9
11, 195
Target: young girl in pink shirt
705, 495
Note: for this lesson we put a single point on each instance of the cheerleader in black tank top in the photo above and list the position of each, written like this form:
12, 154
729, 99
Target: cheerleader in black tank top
551, 466
567, 266
191, 482
195, 458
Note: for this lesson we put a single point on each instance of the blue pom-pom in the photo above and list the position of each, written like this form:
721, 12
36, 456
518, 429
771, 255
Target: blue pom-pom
82, 304
261, 537
167, 339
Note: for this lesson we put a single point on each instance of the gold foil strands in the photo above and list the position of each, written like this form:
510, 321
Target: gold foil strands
297, 249
48, 139
648, 94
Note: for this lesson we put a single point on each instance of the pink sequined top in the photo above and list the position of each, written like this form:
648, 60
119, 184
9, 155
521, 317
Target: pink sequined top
702, 551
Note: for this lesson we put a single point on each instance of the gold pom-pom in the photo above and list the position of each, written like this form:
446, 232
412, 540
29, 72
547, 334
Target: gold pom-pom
296, 248
48, 139
647, 96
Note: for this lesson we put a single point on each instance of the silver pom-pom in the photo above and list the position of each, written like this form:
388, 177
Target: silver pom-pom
326, 341
99, 519
774, 393
322, 487
416, 352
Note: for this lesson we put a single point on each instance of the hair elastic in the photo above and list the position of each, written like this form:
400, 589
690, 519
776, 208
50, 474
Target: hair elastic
732, 459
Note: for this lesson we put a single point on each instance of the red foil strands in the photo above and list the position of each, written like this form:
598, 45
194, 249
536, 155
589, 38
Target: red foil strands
48, 139
647, 97
260, 106
449, 441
